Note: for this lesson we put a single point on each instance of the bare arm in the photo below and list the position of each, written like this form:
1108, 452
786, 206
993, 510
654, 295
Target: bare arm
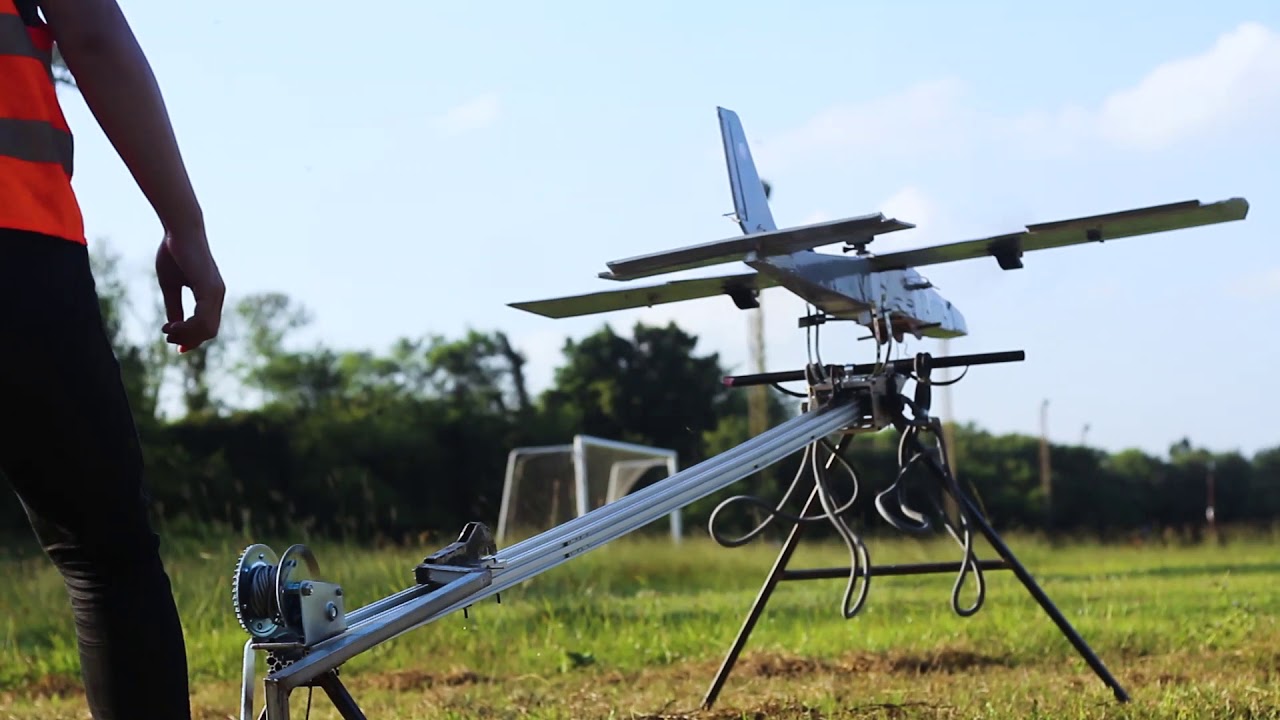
117, 84
116, 81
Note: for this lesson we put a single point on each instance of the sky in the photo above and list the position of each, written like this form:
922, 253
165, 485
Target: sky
413, 172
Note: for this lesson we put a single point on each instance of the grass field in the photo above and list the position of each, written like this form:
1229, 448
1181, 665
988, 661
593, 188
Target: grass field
637, 629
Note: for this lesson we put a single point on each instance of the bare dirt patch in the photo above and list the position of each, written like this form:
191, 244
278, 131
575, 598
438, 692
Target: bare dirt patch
946, 661
801, 711
403, 680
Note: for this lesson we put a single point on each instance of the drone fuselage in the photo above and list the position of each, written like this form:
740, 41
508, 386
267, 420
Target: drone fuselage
845, 287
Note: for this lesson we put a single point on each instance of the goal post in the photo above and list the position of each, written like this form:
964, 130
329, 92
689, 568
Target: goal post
547, 485
542, 502
626, 473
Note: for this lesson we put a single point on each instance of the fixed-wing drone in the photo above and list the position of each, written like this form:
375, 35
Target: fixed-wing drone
877, 291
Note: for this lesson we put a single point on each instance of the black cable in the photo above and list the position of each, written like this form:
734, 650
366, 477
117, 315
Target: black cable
910, 430
910, 452
860, 559
859, 556
964, 537
262, 591
941, 383
792, 393
775, 510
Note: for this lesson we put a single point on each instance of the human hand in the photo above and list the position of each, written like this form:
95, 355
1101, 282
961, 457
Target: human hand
185, 261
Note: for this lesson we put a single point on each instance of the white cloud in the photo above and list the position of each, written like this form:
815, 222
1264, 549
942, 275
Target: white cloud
1234, 82
921, 119
1053, 133
543, 353
475, 114
1258, 285
910, 205
1238, 78
819, 216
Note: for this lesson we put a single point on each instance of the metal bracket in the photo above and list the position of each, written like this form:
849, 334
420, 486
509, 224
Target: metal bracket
1007, 252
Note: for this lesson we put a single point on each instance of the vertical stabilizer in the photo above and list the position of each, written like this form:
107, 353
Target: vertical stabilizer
750, 203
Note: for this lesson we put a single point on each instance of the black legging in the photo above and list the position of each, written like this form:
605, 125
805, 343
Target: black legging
71, 452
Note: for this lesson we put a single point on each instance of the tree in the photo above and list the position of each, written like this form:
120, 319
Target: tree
1264, 495
266, 319
650, 388
481, 370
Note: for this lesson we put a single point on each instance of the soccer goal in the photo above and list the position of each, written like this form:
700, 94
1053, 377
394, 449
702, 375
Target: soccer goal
548, 485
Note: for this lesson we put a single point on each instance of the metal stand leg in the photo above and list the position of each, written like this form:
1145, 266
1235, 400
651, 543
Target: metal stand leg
1008, 561
975, 516
779, 573
757, 607
339, 696
277, 698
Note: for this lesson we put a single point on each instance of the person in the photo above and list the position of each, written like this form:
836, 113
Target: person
70, 449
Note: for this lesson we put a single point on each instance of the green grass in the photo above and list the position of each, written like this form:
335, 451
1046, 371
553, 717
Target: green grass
637, 629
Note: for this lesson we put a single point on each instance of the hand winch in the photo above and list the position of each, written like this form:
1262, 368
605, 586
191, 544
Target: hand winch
275, 606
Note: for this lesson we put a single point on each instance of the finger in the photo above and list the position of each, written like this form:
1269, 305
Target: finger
185, 345
172, 293
182, 334
189, 334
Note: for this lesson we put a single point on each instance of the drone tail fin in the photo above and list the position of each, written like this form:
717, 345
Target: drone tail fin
750, 200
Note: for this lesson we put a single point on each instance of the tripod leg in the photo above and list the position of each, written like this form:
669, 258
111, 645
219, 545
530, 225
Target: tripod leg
975, 516
757, 607
338, 695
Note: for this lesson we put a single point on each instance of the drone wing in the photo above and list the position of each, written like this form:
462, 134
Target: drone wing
742, 287
777, 242
1008, 249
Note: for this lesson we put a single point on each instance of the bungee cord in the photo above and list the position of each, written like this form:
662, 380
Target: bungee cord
892, 503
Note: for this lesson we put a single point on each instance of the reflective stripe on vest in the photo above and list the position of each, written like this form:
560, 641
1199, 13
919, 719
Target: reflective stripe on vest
36, 147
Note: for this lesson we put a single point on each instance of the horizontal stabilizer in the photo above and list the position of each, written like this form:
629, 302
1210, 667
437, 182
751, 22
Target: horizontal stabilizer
1008, 249
778, 242
741, 287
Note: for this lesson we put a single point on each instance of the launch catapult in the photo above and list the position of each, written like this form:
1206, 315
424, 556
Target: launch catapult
303, 626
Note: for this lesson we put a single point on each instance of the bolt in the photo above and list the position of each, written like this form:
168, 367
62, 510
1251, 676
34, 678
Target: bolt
307, 589
331, 612
337, 591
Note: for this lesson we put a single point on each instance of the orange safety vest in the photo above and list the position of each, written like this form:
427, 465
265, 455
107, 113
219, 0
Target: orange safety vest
35, 141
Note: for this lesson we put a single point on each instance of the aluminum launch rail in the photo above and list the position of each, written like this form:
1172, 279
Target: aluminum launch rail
454, 588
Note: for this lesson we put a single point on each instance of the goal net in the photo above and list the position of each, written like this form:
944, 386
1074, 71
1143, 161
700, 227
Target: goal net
548, 485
